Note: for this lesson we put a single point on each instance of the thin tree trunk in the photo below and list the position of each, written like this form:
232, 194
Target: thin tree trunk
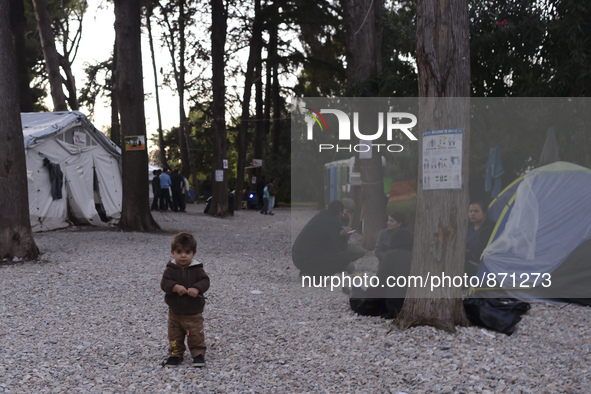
161, 153
219, 205
70, 83
256, 42
275, 97
50, 54
135, 214
443, 59
259, 125
185, 130
268, 96
364, 42
115, 126
16, 237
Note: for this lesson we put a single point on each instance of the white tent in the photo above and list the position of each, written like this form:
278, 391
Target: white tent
90, 164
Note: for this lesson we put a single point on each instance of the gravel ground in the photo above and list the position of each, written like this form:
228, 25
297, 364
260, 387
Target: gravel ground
89, 316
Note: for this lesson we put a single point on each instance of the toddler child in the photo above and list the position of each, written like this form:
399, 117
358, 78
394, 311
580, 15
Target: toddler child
184, 281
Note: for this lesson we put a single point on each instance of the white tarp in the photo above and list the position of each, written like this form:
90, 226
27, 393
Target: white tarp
90, 164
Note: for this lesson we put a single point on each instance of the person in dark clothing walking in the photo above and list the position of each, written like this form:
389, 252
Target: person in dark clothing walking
176, 185
156, 189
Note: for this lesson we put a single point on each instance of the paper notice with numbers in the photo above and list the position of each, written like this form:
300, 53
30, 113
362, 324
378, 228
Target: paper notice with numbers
442, 159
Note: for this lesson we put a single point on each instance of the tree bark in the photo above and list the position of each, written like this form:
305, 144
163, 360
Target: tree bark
364, 43
70, 83
256, 43
115, 125
129, 87
16, 237
50, 54
275, 89
219, 205
443, 59
18, 22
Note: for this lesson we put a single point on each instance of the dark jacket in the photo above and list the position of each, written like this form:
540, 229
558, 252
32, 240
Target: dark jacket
191, 276
176, 182
320, 235
56, 177
156, 185
398, 238
478, 240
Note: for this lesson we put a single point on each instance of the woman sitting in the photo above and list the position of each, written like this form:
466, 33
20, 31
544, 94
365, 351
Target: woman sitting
480, 229
393, 237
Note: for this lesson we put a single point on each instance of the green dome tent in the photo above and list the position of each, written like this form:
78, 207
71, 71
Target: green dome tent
541, 244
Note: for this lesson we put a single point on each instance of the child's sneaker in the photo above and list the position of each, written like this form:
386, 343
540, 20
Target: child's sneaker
199, 361
173, 362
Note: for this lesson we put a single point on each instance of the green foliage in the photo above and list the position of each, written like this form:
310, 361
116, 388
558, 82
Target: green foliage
567, 48
399, 74
322, 37
99, 84
505, 41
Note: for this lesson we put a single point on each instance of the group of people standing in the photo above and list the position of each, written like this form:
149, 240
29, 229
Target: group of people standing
166, 182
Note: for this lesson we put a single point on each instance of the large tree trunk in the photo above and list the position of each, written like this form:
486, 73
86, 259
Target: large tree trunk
256, 43
443, 58
129, 87
161, 153
18, 22
50, 54
219, 14
364, 42
16, 237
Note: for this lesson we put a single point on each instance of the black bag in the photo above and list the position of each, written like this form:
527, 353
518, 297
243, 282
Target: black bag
495, 314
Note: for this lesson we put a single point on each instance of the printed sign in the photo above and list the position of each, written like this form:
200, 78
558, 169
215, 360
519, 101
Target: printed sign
442, 159
219, 175
135, 142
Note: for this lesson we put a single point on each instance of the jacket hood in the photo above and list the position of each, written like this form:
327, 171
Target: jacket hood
172, 263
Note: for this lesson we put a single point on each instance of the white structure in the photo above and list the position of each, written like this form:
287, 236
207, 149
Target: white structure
89, 162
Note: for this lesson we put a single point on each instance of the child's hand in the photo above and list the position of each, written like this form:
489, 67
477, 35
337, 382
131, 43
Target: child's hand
181, 290
193, 292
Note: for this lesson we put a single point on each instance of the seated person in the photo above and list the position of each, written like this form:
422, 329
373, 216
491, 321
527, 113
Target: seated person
393, 237
480, 229
355, 251
384, 301
320, 248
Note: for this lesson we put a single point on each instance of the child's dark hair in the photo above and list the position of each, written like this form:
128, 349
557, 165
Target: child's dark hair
399, 217
184, 240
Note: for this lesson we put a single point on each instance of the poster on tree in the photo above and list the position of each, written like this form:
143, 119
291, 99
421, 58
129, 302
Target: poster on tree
442, 159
